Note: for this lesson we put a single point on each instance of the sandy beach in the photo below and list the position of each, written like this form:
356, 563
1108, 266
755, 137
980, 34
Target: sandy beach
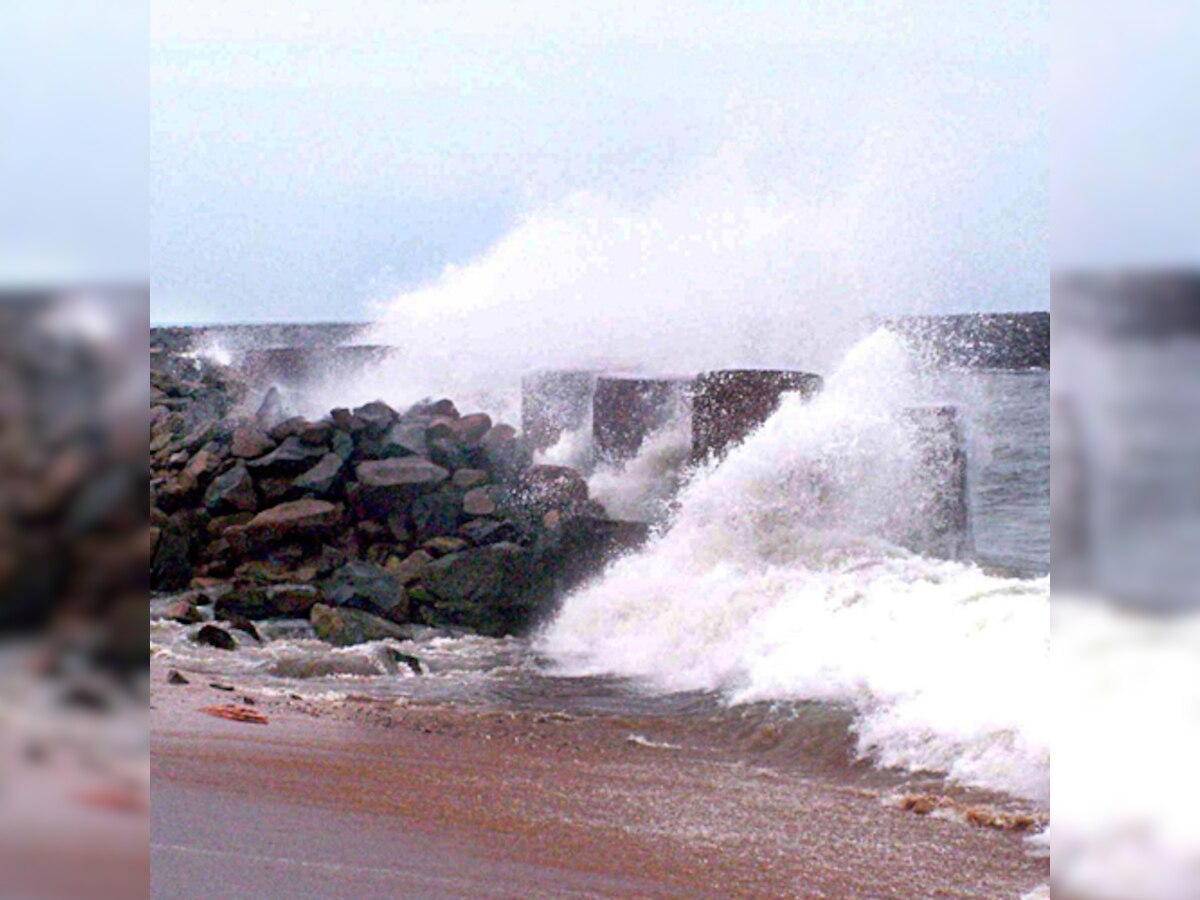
365, 799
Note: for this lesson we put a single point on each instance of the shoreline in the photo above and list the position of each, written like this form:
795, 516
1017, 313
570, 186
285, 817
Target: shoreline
366, 798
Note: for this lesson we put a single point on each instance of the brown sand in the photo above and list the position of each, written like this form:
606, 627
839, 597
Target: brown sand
366, 799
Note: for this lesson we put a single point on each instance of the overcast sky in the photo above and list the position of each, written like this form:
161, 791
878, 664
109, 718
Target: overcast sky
308, 158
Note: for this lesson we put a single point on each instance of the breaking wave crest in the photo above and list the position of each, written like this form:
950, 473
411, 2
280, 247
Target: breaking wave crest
774, 582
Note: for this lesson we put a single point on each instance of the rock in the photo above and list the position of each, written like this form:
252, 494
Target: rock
243, 623
553, 487
297, 519
324, 478
342, 418
444, 546
346, 627
180, 610
270, 411
410, 568
376, 416
465, 479
405, 438
294, 600
342, 444
435, 515
450, 453
504, 453
361, 585
389, 484
292, 427
171, 568
250, 442
245, 601
231, 492
273, 491
432, 408
290, 458
173, 677
488, 531
409, 660
470, 429
479, 502
212, 636
316, 434
579, 548
484, 589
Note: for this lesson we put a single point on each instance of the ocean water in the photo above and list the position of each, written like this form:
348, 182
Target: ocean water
768, 602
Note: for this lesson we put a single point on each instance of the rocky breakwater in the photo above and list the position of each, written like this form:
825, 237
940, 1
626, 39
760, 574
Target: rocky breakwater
367, 522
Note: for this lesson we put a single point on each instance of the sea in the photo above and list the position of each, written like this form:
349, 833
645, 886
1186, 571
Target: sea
769, 612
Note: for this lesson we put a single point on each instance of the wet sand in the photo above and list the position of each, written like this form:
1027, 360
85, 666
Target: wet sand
369, 799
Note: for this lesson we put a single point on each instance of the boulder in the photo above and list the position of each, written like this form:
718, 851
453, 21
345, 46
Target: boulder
270, 411
273, 491
553, 487
410, 568
291, 457
361, 585
345, 627
451, 454
181, 610
488, 531
213, 636
297, 519
503, 452
324, 478
435, 515
294, 600
444, 546
316, 434
465, 479
405, 438
376, 416
578, 548
231, 492
389, 484
171, 568
292, 427
342, 444
479, 502
470, 429
245, 601
484, 589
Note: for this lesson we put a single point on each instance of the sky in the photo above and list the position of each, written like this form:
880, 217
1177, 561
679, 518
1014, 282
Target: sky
314, 159
309, 159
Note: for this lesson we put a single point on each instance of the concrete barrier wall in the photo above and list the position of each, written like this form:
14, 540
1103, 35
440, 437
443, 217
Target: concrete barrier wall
554, 402
940, 502
628, 409
728, 405
297, 366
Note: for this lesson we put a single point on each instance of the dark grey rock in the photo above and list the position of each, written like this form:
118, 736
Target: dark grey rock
291, 457
231, 492
361, 585
346, 627
213, 636
325, 478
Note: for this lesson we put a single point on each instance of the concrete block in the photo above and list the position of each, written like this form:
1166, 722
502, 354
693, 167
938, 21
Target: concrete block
730, 404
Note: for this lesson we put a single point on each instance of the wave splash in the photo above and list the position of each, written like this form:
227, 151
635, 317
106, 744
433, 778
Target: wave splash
772, 583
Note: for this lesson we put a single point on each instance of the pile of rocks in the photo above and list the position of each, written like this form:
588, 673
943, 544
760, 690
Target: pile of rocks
364, 521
